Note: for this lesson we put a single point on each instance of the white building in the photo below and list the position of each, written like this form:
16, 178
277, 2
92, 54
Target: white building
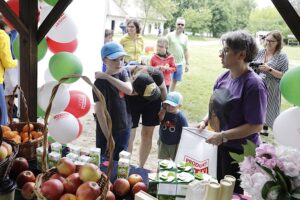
116, 15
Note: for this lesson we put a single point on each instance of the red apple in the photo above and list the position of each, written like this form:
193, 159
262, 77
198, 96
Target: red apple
8, 148
28, 190
65, 167
20, 164
138, 187
52, 189
24, 177
110, 196
58, 177
134, 178
88, 191
89, 172
71, 183
68, 196
121, 187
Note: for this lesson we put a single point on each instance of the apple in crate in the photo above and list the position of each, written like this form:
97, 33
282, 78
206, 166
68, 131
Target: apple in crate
65, 167
121, 187
88, 191
58, 177
24, 177
68, 196
28, 190
71, 183
138, 187
110, 195
134, 178
89, 172
52, 189
20, 164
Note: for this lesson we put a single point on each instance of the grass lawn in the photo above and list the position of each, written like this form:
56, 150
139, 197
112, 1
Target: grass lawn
205, 67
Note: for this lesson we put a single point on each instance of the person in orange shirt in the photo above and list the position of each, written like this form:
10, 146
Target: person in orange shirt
164, 60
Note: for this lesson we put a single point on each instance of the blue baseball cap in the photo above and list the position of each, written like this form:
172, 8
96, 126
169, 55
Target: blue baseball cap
174, 99
112, 50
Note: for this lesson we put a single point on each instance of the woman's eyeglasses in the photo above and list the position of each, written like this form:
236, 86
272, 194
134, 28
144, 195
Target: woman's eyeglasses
223, 51
271, 41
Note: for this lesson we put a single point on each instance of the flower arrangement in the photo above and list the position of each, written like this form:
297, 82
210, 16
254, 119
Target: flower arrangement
269, 172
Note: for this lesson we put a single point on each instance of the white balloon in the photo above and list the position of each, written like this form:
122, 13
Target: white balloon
64, 30
63, 127
286, 127
60, 101
48, 76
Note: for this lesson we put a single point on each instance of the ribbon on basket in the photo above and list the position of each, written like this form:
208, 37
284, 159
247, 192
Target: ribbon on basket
111, 143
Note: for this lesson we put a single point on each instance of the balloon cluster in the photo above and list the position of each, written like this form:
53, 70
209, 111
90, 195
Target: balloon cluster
286, 126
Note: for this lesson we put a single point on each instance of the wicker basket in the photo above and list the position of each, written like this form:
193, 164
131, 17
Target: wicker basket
27, 149
6, 164
104, 180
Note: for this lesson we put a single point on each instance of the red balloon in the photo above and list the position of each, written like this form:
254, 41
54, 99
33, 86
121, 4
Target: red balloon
57, 47
79, 104
14, 5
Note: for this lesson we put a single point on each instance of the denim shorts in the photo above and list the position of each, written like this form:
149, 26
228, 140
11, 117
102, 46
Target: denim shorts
177, 75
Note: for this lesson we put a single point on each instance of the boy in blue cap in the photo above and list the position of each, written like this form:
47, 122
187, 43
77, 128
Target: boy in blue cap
114, 83
171, 126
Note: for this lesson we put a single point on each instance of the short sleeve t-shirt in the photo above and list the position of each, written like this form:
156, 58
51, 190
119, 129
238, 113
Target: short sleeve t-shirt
170, 128
238, 101
115, 102
177, 46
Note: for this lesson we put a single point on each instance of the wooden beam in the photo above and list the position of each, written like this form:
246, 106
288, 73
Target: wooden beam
13, 18
28, 57
289, 15
53, 16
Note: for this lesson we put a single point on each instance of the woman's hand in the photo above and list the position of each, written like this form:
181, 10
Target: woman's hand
265, 68
201, 125
216, 139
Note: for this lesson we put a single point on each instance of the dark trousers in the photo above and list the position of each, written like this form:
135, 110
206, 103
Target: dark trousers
121, 139
226, 167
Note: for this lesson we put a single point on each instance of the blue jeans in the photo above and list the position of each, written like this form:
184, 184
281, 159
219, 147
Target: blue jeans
3, 120
121, 142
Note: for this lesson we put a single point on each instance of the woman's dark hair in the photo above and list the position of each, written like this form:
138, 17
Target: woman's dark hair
241, 41
136, 24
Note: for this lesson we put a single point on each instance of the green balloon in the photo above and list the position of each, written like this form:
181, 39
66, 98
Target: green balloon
290, 86
40, 112
51, 2
65, 63
42, 48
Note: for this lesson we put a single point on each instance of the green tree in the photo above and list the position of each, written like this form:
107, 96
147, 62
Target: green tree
267, 19
240, 12
221, 20
166, 8
197, 20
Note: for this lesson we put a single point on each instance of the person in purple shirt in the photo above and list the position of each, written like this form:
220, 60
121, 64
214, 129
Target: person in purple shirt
237, 107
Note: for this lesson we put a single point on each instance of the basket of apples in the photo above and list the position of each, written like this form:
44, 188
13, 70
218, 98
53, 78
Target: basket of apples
8, 152
28, 135
85, 182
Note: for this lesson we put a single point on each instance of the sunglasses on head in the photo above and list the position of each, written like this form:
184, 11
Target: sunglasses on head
179, 24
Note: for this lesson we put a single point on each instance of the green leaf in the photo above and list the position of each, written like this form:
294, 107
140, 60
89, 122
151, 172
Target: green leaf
249, 149
237, 157
283, 178
267, 188
284, 196
267, 170
296, 193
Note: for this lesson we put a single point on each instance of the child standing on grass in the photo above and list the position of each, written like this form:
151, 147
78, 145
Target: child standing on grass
171, 127
164, 60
